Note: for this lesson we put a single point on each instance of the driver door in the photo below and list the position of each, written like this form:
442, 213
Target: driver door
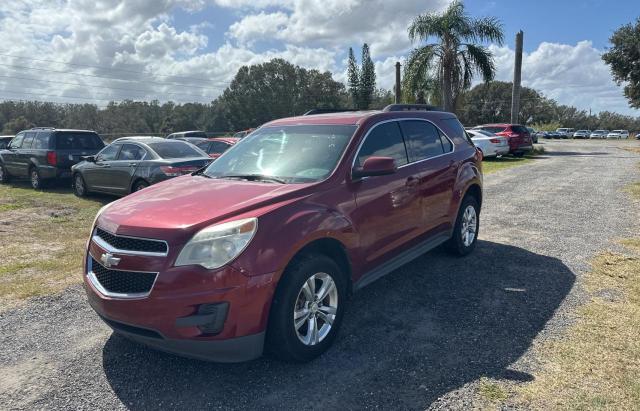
96, 174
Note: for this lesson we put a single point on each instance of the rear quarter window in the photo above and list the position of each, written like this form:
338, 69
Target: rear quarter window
176, 149
78, 141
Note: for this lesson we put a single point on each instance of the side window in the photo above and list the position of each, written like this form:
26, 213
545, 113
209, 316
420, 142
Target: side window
131, 152
42, 140
28, 139
385, 140
17, 141
423, 139
218, 147
446, 143
109, 153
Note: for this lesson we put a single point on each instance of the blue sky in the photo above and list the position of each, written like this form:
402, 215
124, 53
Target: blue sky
202, 43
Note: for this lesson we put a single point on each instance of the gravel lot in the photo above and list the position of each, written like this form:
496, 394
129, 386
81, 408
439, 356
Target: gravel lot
419, 338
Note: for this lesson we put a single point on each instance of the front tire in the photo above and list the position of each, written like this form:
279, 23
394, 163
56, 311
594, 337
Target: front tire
307, 309
465, 232
79, 186
4, 176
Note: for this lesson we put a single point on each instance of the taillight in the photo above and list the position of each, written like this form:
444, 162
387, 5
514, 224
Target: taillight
495, 140
52, 158
173, 171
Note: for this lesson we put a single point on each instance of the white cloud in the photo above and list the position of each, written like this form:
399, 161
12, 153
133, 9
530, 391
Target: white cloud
571, 74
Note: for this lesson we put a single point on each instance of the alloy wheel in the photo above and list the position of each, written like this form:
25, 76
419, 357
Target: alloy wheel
35, 179
315, 309
79, 185
469, 225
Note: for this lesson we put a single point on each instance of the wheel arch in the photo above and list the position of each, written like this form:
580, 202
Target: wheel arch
135, 181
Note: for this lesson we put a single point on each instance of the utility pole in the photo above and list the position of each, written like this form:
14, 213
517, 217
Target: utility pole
398, 91
517, 77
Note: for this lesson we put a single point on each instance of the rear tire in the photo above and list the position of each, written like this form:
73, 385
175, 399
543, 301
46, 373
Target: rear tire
4, 175
311, 294
465, 232
139, 185
37, 183
519, 154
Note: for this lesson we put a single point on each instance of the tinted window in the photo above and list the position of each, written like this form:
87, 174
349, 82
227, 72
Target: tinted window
385, 140
4, 142
176, 149
196, 134
204, 146
28, 139
446, 143
519, 129
423, 139
218, 147
109, 153
17, 141
131, 152
78, 141
42, 140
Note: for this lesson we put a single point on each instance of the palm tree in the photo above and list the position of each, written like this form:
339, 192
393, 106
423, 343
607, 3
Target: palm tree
455, 58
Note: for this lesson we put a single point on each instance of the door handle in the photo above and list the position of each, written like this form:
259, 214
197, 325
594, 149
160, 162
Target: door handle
105, 165
133, 164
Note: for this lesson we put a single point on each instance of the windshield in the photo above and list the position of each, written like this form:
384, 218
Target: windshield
294, 154
176, 149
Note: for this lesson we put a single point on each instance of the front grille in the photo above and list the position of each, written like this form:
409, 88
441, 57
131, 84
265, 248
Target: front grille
132, 244
122, 282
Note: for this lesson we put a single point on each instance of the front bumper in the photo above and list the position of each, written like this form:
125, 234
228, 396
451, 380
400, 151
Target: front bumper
170, 317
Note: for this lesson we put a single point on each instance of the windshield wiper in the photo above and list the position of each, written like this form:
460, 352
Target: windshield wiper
255, 177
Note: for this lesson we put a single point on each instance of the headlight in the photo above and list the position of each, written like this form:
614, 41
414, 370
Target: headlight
215, 246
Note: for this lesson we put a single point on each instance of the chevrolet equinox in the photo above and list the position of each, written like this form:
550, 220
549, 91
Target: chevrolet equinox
261, 249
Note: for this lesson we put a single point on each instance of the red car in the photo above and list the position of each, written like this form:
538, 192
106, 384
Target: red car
263, 247
216, 146
518, 136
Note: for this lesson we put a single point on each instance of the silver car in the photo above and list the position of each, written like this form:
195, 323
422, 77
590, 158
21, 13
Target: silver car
582, 134
490, 144
599, 134
619, 134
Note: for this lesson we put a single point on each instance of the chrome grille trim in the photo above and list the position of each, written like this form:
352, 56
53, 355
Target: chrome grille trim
125, 296
114, 250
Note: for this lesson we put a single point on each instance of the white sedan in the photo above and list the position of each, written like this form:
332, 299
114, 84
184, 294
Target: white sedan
618, 134
490, 144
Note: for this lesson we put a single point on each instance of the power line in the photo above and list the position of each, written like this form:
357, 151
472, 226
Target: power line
110, 78
97, 86
104, 68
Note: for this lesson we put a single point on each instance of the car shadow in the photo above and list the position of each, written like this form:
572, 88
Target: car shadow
430, 327
62, 187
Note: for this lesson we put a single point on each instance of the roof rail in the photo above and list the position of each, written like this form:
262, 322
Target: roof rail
42, 128
327, 111
410, 107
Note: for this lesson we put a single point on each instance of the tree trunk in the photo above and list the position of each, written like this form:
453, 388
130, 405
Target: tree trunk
447, 92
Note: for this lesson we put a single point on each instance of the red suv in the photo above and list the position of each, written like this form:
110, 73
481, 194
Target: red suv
264, 246
518, 136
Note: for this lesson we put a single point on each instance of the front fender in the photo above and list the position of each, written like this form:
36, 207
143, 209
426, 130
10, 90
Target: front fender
282, 234
469, 174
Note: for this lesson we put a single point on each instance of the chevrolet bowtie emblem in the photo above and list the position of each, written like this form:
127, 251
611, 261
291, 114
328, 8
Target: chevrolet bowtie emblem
108, 260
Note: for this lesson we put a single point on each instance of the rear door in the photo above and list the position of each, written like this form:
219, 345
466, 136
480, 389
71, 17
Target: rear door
25, 153
10, 157
433, 168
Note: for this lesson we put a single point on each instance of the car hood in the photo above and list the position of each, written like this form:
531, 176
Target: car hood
188, 202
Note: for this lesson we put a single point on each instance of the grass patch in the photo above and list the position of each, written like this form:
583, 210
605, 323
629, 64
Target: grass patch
42, 240
491, 391
491, 165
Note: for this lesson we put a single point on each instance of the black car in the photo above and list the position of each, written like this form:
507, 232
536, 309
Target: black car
44, 154
132, 163
4, 141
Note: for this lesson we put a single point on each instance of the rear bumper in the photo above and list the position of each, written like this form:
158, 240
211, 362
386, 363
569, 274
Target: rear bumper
49, 172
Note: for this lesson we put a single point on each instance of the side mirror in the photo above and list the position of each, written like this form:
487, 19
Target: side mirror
91, 159
375, 166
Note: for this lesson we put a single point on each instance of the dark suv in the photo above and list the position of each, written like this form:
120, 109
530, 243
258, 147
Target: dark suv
44, 154
263, 247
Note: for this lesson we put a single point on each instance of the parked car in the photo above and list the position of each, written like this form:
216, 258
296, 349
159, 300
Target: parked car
186, 134
45, 154
4, 141
214, 147
263, 247
131, 164
534, 134
192, 140
565, 132
244, 133
519, 138
582, 134
619, 134
489, 144
599, 134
